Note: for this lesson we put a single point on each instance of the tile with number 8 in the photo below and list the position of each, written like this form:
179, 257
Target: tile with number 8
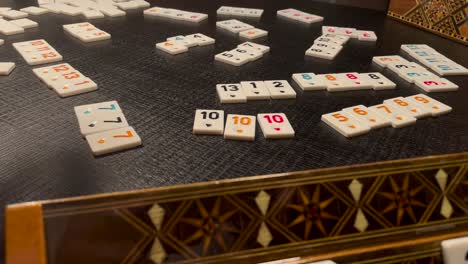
255, 90
378, 81
309, 81
408, 107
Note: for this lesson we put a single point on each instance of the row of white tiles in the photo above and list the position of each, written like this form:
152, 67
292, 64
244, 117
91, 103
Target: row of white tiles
241, 127
299, 16
243, 29
105, 128
397, 112
434, 60
86, 32
415, 73
242, 54
92, 9
254, 90
175, 14
180, 44
327, 46
363, 35
239, 11
350, 81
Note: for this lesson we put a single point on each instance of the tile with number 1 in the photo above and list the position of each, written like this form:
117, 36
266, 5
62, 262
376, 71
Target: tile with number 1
255, 90
240, 127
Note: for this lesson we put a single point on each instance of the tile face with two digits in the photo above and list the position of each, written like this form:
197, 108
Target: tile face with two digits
208, 122
275, 125
407, 107
240, 127
435, 107
255, 90
358, 83
455, 251
309, 81
101, 122
37, 52
230, 93
114, 140
345, 124
335, 84
368, 117
397, 118
378, 81
280, 89
98, 108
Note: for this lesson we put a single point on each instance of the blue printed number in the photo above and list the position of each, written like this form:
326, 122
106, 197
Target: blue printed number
306, 77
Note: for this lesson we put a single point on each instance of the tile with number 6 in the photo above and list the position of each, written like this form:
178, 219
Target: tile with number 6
113, 140
367, 116
208, 122
240, 127
275, 125
345, 124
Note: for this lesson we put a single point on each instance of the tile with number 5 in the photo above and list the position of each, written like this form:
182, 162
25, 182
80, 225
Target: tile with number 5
275, 125
240, 127
367, 116
208, 122
345, 124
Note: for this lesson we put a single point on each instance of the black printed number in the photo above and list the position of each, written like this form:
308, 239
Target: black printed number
211, 115
231, 88
278, 84
374, 76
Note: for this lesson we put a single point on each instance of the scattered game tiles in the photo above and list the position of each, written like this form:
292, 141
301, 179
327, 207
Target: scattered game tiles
65, 80
180, 44
241, 127
105, 128
6, 68
86, 32
327, 46
243, 29
239, 11
363, 35
37, 52
415, 73
338, 82
299, 16
434, 60
396, 112
244, 53
169, 13
254, 90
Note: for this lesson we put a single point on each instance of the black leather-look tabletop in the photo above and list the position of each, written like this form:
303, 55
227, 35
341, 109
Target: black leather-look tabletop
43, 156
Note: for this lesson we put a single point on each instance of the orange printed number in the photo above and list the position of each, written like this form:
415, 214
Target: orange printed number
421, 99
330, 77
60, 68
71, 75
340, 117
128, 135
400, 102
49, 55
359, 111
384, 107
244, 120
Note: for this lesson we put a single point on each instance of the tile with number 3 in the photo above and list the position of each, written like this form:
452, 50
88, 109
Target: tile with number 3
275, 125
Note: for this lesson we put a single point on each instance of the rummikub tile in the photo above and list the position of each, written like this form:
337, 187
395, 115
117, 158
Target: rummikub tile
397, 118
171, 47
255, 90
200, 39
408, 107
101, 122
350, 32
280, 89
252, 54
240, 127
231, 93
2, 42
261, 48
455, 251
182, 40
345, 124
437, 108
412, 75
366, 35
93, 14
7, 28
435, 84
328, 40
383, 61
253, 33
378, 81
65, 88
358, 83
329, 30
275, 125
318, 52
113, 141
309, 81
37, 52
208, 122
13, 14
24, 23
34, 10
335, 84
97, 109
333, 47
449, 69
366, 116
6, 68
232, 58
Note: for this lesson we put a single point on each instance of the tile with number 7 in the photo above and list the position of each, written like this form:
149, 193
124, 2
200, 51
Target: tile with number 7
113, 140
208, 122
367, 116
98, 108
437, 108
101, 122
398, 118
345, 124
275, 125
240, 127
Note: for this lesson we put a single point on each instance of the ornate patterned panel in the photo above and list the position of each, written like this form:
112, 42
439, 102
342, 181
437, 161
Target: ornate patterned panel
444, 17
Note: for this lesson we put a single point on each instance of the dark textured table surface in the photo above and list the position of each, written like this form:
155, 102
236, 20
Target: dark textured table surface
43, 156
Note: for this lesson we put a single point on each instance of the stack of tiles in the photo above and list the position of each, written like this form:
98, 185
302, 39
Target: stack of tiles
86, 32
239, 11
254, 90
180, 44
299, 16
243, 54
13, 14
105, 128
350, 81
434, 60
415, 73
397, 112
16, 26
37, 52
243, 29
6, 68
34, 10
92, 8
241, 127
175, 14
327, 46
364, 35
65, 80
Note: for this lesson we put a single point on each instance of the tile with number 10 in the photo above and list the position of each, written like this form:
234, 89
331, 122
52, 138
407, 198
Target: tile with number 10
240, 127
275, 125
208, 122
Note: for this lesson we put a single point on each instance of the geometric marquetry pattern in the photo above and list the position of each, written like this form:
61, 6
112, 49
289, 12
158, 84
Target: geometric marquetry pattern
444, 17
